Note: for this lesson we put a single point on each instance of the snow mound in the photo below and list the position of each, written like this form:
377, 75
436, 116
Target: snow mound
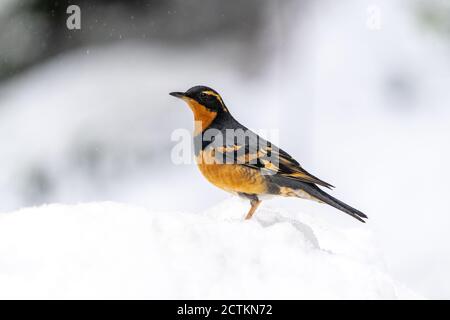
111, 250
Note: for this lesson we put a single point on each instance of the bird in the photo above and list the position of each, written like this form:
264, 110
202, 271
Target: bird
237, 160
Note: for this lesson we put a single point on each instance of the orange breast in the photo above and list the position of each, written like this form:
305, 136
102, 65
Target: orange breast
232, 177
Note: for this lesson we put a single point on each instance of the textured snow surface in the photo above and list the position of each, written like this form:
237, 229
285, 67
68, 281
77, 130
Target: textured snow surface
112, 250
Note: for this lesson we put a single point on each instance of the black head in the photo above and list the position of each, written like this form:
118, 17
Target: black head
205, 96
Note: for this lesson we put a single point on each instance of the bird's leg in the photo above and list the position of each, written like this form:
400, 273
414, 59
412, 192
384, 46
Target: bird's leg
255, 203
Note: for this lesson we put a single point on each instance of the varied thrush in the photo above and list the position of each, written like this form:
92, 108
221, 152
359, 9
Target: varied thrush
237, 160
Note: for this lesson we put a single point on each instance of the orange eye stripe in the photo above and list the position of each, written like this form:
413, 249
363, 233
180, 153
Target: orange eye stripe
211, 93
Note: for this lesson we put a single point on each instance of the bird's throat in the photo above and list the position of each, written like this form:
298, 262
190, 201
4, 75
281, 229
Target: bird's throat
203, 116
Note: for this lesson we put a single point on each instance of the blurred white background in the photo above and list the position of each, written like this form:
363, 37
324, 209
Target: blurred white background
359, 91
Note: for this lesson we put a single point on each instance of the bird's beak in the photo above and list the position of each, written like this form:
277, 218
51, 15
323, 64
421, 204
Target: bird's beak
180, 95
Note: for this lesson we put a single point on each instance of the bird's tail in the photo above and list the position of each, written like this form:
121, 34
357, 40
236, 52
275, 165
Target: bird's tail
322, 196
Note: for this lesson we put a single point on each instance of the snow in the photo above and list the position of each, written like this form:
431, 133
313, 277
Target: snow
366, 110
114, 250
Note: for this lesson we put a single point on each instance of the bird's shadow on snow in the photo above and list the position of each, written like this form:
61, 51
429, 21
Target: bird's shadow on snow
234, 209
271, 217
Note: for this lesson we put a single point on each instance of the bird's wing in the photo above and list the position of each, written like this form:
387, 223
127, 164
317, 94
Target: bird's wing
256, 152
290, 168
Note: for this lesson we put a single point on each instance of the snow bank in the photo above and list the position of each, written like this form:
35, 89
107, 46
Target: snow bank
111, 250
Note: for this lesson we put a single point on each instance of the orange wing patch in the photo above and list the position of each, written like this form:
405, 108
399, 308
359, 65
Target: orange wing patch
283, 164
295, 171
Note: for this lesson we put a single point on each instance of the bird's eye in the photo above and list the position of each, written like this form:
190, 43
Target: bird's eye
203, 95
